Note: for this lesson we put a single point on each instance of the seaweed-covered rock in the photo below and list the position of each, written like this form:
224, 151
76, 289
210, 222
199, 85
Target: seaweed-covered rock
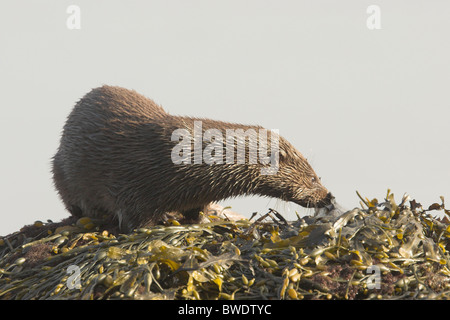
381, 251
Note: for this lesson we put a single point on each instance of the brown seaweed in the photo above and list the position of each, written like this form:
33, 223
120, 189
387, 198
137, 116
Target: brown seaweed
383, 250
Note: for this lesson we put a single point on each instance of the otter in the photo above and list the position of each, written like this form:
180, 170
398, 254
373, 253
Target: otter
116, 160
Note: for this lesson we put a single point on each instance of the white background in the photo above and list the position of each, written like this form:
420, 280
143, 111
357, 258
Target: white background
368, 108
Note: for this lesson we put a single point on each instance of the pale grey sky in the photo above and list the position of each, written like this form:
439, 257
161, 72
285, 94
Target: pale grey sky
368, 108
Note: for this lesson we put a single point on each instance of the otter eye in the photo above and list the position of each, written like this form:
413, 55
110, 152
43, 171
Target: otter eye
313, 180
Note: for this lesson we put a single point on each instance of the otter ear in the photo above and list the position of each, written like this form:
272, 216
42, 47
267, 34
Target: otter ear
283, 155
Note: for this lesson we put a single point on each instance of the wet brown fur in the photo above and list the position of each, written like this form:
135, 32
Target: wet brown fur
114, 160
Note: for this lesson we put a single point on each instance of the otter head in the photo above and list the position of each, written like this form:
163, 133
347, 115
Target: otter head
295, 180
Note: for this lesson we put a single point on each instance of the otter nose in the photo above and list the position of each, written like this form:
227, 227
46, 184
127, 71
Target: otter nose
329, 198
